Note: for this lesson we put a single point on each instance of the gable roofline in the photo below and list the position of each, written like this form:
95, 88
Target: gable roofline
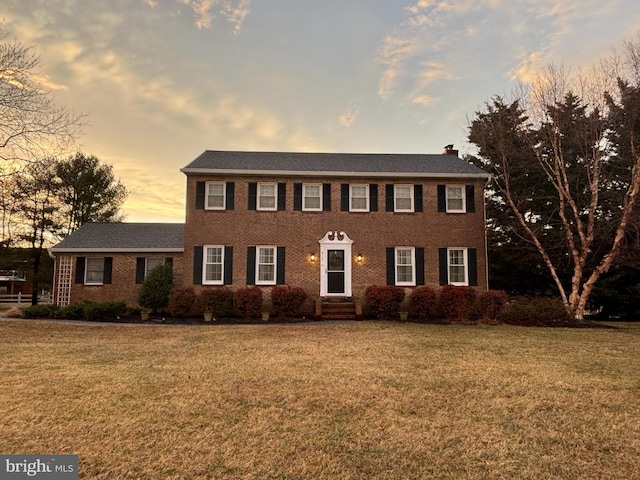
305, 164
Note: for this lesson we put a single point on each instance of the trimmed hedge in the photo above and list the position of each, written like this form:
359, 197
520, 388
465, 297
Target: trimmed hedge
287, 301
423, 303
536, 312
384, 302
93, 311
492, 303
181, 301
248, 302
457, 303
217, 300
44, 310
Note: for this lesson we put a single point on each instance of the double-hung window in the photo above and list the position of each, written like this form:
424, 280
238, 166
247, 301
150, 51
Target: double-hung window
266, 265
267, 193
457, 266
312, 196
215, 196
151, 263
405, 265
94, 271
359, 198
213, 265
403, 198
455, 198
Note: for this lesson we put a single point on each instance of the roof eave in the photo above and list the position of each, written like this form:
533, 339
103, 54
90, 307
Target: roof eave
323, 173
115, 250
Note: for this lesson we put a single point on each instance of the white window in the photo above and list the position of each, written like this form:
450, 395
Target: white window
215, 196
312, 196
151, 263
265, 265
267, 196
457, 264
405, 266
455, 198
94, 271
403, 198
212, 265
358, 198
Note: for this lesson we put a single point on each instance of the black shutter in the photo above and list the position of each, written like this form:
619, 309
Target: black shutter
227, 276
140, 264
168, 261
373, 197
200, 193
444, 266
344, 197
326, 197
251, 265
417, 198
470, 198
282, 196
442, 198
107, 271
389, 197
297, 196
391, 266
419, 265
253, 194
472, 258
230, 194
197, 265
280, 267
80, 266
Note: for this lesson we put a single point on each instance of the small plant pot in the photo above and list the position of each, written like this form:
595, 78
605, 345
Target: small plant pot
144, 316
404, 316
265, 316
208, 316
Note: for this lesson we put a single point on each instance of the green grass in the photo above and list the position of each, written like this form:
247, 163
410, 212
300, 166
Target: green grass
363, 400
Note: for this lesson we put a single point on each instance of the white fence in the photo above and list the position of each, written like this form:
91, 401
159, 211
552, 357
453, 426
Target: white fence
21, 298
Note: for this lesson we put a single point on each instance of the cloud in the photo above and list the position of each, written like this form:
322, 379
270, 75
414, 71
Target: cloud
204, 11
423, 100
348, 117
392, 54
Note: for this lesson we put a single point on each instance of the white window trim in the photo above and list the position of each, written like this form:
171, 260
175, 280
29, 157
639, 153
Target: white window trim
275, 265
86, 271
304, 196
366, 194
146, 264
275, 194
224, 196
466, 266
412, 283
464, 199
395, 198
204, 265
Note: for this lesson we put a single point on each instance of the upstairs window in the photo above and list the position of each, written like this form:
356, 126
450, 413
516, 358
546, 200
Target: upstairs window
215, 196
403, 198
455, 198
312, 196
267, 196
358, 198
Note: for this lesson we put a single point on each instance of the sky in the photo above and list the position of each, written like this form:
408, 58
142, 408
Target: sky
163, 80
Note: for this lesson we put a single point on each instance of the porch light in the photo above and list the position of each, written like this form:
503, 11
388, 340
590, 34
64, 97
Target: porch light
312, 257
359, 258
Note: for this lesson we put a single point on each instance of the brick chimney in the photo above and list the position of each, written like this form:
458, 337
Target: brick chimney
448, 150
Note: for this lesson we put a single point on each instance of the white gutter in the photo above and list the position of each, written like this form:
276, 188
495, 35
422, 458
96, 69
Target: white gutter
322, 173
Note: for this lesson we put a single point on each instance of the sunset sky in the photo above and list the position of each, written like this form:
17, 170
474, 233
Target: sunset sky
163, 80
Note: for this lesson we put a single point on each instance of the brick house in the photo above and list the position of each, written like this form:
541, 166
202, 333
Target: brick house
332, 224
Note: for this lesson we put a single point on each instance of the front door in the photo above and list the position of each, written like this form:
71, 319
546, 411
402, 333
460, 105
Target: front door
335, 272
335, 265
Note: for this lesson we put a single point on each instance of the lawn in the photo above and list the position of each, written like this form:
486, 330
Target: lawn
365, 400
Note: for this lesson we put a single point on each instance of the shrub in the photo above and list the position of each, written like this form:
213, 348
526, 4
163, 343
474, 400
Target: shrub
45, 310
383, 302
287, 301
457, 303
248, 302
492, 303
154, 292
101, 311
218, 301
181, 301
73, 311
423, 303
536, 312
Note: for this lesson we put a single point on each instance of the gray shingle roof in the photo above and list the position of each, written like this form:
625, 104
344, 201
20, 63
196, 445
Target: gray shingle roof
124, 237
332, 164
